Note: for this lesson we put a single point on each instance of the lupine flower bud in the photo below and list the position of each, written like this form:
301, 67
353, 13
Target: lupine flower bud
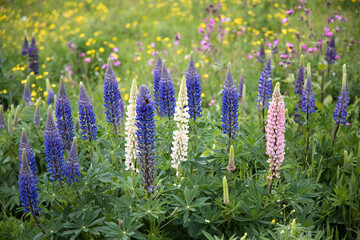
330, 55
25, 48
225, 190
231, 166
10, 124
50, 92
27, 187
130, 129
27, 94
37, 113
340, 112
307, 98
77, 124
157, 76
275, 128
230, 105
33, 56
87, 116
180, 135
193, 89
63, 115
16, 117
72, 165
167, 93
146, 137
241, 83
25, 144
53, 149
265, 85
262, 56
2, 117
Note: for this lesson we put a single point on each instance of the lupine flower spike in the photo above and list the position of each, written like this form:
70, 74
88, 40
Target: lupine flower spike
241, 83
167, 93
2, 117
50, 92
193, 89
340, 112
262, 56
230, 105
63, 115
27, 94
330, 58
130, 130
180, 135
86, 116
264, 89
157, 76
10, 124
27, 187
37, 113
25, 48
308, 102
145, 134
226, 191
33, 56
72, 171
25, 144
231, 166
53, 149
299, 86
275, 129
112, 99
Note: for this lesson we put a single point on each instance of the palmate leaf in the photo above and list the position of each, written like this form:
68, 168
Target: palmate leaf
128, 230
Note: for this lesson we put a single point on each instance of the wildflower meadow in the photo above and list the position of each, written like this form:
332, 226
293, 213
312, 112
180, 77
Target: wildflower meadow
180, 119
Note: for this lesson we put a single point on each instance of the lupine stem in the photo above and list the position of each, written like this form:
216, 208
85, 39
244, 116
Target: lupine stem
336, 130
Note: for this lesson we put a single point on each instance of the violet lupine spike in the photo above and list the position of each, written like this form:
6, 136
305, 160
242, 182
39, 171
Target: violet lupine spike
262, 55
86, 116
53, 149
299, 86
156, 77
330, 55
241, 83
37, 113
167, 93
72, 165
27, 94
25, 144
307, 97
25, 48
275, 129
265, 85
33, 56
27, 187
50, 92
63, 115
340, 112
193, 86
2, 117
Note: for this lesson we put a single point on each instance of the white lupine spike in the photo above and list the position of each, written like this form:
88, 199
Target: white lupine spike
130, 129
180, 135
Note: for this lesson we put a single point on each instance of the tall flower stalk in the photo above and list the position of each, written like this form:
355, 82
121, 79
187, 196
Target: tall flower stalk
330, 58
37, 113
230, 105
130, 130
86, 116
299, 86
25, 144
33, 56
180, 135
340, 112
50, 92
63, 115
145, 134
156, 77
2, 117
25, 48
275, 129
264, 89
27, 94
167, 93
72, 171
53, 149
193, 86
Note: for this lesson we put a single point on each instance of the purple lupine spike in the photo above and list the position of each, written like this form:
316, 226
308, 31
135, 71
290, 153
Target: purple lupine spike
145, 134
241, 83
86, 116
53, 149
157, 76
340, 112
25, 48
50, 92
27, 187
167, 93
25, 144
2, 117
63, 115
265, 85
33, 56
193, 89
307, 97
230, 105
330, 55
299, 86
72, 165
37, 113
262, 56
27, 94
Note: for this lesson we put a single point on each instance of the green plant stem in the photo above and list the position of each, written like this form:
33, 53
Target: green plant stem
37, 222
322, 85
335, 132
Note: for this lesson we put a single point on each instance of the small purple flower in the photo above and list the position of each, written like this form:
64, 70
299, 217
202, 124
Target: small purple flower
33, 56
330, 55
25, 48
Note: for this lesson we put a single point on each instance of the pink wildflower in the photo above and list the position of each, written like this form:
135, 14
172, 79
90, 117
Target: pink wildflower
284, 20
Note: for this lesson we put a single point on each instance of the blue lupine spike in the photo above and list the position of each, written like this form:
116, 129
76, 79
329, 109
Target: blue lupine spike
33, 56
27, 94
167, 93
53, 149
156, 77
112, 99
27, 187
145, 134
330, 55
63, 115
241, 83
86, 116
299, 86
193, 89
72, 165
230, 105
340, 112
307, 97
50, 92
265, 85
2, 117
25, 144
262, 55
37, 113
25, 48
